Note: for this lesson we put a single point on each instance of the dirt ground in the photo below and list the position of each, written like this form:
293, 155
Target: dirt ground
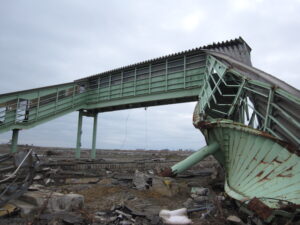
111, 192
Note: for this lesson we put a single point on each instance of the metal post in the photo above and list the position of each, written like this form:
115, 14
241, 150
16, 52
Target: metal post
134, 88
184, 71
38, 106
110, 86
122, 75
93, 153
150, 71
14, 140
269, 109
79, 132
166, 77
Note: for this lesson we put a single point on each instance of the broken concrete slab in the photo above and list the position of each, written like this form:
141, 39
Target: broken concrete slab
53, 201
26, 209
141, 180
165, 186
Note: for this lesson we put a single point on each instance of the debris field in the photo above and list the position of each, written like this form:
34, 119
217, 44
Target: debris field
124, 187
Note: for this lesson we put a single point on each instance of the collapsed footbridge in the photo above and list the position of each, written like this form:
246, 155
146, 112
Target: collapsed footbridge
250, 119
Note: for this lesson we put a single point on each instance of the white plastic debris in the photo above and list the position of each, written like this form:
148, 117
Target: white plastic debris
178, 216
234, 219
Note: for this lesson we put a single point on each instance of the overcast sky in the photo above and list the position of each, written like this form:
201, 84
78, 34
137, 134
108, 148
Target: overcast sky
53, 41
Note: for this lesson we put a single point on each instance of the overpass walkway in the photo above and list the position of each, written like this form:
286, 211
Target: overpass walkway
220, 76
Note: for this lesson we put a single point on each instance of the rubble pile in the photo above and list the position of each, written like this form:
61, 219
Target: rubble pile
126, 197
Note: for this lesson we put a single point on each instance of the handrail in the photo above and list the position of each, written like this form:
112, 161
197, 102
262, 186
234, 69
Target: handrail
14, 109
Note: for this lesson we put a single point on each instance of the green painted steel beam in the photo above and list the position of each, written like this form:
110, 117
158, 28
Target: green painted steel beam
45, 104
268, 110
14, 141
79, 133
93, 152
146, 98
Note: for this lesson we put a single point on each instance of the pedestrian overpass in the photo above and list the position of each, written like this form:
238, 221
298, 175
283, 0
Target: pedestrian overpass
182, 77
250, 119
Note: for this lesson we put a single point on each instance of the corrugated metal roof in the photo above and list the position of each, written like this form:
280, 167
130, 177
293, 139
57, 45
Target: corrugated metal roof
236, 48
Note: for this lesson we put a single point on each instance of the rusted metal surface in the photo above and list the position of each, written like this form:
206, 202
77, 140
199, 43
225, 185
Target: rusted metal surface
202, 125
167, 172
260, 209
256, 165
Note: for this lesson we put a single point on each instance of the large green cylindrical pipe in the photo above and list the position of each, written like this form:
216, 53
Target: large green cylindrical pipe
194, 158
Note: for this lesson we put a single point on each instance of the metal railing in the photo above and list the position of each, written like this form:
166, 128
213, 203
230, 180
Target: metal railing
27, 108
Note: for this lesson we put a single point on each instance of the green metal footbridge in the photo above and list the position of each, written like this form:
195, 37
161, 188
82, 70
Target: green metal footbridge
250, 119
171, 79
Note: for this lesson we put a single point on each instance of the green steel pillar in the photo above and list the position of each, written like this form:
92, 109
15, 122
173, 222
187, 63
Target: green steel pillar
14, 140
93, 153
79, 132
195, 158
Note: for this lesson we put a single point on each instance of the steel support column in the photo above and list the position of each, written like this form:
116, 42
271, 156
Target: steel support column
93, 153
79, 132
14, 141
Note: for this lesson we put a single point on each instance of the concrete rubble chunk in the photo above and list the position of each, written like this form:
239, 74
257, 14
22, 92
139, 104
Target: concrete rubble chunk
141, 180
200, 199
25, 208
165, 186
55, 202
36, 187
188, 203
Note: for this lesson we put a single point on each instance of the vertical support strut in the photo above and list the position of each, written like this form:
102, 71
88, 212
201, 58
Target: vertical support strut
93, 153
79, 132
269, 109
14, 140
